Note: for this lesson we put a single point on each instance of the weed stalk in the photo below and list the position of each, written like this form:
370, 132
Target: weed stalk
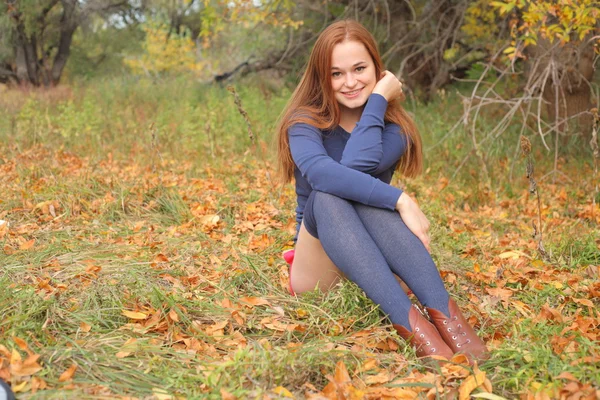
537, 232
596, 156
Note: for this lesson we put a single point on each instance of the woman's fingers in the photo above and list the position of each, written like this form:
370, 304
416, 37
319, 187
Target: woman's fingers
414, 219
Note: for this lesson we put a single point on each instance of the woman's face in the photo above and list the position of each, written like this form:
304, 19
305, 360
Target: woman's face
352, 74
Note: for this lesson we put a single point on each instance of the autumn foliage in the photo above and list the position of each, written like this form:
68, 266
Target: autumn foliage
146, 263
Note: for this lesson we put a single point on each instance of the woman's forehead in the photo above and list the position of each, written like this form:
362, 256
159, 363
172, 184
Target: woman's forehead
348, 54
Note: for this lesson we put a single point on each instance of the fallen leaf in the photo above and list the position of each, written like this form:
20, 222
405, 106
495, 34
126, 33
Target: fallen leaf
68, 374
504, 294
225, 395
585, 302
173, 315
568, 376
281, 391
27, 245
128, 348
254, 301
162, 394
471, 383
488, 396
510, 254
21, 343
20, 387
84, 327
134, 314
341, 373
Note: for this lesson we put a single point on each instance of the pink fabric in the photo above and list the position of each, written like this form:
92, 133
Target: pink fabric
288, 256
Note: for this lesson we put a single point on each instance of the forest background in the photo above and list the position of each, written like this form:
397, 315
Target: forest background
141, 223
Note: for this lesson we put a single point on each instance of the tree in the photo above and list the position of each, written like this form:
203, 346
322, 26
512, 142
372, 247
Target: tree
36, 36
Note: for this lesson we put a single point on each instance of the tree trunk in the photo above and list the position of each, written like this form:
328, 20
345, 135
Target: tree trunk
68, 26
29, 55
64, 50
567, 91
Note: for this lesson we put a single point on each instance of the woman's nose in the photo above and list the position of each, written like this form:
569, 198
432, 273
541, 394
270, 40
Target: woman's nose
350, 80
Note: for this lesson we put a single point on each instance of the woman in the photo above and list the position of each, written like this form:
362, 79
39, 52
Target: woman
341, 137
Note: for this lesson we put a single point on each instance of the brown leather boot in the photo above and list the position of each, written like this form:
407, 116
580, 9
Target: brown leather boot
424, 336
458, 333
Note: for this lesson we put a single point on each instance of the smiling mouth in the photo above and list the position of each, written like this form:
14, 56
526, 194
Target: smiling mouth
352, 93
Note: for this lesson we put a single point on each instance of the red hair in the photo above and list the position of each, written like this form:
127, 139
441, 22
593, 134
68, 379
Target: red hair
313, 101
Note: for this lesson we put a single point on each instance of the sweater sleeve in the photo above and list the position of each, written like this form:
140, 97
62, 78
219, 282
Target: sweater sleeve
374, 147
326, 175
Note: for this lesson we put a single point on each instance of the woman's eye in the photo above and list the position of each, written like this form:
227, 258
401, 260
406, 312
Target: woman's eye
336, 74
359, 69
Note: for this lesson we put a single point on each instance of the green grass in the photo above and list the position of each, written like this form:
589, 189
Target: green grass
136, 176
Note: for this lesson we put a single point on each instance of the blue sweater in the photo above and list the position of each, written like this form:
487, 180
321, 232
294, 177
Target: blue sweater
357, 166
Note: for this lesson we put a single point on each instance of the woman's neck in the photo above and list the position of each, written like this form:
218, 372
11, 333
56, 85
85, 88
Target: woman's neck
349, 118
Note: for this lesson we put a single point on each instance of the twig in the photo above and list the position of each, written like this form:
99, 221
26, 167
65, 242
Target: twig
211, 139
243, 112
154, 145
596, 156
526, 148
261, 152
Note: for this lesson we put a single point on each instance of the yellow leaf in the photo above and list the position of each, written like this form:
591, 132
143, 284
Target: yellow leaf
15, 357
134, 314
510, 254
281, 391
161, 394
68, 374
471, 383
19, 387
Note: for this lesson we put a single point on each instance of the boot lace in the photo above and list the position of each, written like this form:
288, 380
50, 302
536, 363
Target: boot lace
427, 342
455, 329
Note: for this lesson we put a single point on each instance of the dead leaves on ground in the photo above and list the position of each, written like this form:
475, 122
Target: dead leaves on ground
224, 226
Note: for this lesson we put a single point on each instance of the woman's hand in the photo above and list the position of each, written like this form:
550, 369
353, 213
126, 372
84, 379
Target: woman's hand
414, 218
388, 86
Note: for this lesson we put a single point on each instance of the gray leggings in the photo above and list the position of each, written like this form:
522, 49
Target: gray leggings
367, 244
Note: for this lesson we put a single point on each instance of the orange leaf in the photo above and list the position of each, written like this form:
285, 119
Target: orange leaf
341, 373
26, 368
173, 315
499, 292
471, 383
161, 258
21, 343
134, 314
27, 245
225, 395
568, 376
128, 347
254, 301
68, 374
85, 327
585, 302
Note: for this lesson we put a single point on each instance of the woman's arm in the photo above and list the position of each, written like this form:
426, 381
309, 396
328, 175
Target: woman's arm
374, 147
364, 149
326, 175
393, 145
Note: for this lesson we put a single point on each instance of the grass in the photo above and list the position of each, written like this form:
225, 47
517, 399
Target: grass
154, 214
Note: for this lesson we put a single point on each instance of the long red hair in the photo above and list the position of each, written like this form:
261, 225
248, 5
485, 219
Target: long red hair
313, 101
